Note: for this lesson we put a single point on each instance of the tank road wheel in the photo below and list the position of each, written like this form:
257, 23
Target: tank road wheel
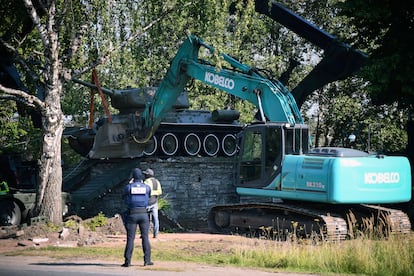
10, 213
211, 145
192, 144
229, 145
169, 144
151, 146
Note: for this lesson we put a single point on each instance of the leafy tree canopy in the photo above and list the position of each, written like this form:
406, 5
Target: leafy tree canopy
385, 29
139, 56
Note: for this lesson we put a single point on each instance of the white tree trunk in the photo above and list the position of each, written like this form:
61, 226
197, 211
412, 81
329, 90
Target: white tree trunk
49, 194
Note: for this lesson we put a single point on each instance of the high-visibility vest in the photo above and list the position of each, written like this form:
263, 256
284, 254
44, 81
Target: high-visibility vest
155, 186
156, 190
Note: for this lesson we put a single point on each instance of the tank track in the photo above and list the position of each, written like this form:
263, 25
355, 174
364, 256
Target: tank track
325, 222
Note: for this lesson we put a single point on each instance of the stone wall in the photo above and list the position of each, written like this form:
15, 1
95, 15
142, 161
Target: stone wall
191, 185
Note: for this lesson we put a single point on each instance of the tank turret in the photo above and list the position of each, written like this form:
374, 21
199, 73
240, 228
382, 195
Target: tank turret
132, 99
181, 132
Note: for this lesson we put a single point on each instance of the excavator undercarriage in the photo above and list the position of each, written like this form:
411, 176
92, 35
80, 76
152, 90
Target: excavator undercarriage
284, 221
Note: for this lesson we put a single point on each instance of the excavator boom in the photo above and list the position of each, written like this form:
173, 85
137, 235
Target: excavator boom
339, 62
274, 101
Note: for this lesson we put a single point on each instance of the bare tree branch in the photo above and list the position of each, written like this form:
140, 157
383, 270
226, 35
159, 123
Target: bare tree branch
7, 45
36, 20
16, 99
27, 98
21, 61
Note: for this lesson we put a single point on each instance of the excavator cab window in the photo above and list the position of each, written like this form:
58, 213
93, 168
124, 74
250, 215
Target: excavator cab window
296, 139
261, 155
273, 153
263, 148
250, 161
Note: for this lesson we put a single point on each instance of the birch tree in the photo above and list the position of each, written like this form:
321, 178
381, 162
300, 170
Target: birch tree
48, 197
61, 28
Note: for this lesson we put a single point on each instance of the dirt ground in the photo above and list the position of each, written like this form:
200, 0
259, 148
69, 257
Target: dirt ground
79, 234
113, 234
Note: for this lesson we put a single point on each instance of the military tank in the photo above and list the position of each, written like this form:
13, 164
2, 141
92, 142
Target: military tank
182, 132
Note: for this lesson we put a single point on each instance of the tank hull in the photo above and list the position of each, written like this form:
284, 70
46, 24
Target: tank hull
185, 133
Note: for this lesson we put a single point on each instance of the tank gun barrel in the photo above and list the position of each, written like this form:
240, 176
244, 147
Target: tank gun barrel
107, 91
131, 99
125, 100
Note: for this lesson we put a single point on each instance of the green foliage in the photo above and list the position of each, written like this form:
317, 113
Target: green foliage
136, 53
17, 134
10, 130
71, 224
69, 157
351, 111
11, 13
97, 221
143, 61
140, 57
385, 30
164, 204
51, 227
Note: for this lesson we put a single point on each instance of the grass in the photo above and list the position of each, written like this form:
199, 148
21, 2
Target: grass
361, 256
371, 250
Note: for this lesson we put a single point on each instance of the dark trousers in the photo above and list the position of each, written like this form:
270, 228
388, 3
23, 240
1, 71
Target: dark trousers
142, 220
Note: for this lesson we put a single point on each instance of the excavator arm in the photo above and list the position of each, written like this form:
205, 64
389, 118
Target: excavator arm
274, 101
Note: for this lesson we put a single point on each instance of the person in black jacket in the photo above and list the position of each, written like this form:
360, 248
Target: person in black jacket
136, 197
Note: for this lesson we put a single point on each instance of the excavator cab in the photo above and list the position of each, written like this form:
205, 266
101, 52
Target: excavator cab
263, 148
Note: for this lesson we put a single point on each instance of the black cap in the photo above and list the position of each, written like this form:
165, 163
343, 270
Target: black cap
137, 174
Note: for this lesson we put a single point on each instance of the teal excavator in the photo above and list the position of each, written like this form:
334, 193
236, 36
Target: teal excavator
279, 179
282, 183
319, 188
274, 160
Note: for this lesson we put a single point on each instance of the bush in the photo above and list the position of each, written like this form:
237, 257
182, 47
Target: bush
97, 221
163, 204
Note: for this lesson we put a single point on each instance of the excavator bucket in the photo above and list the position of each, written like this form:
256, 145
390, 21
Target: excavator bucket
110, 141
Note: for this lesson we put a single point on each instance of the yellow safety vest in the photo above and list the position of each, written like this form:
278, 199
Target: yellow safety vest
155, 186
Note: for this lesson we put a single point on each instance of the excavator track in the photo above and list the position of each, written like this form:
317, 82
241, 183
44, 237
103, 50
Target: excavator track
278, 221
310, 221
396, 221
